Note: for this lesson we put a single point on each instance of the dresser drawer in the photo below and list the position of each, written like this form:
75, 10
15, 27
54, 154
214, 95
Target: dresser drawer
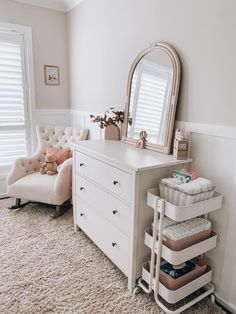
110, 207
108, 238
113, 179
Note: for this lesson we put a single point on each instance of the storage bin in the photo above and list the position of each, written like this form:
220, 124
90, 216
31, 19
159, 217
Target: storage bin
173, 296
178, 257
181, 213
178, 236
179, 198
178, 245
176, 283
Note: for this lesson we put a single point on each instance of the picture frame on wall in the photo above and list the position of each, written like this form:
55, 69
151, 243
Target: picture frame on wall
51, 75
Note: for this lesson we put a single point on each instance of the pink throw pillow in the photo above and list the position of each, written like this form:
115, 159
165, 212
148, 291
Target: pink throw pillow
61, 154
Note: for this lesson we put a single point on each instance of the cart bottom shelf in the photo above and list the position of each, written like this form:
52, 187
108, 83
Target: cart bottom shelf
173, 296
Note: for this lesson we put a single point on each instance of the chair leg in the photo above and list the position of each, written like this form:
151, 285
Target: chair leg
18, 204
61, 209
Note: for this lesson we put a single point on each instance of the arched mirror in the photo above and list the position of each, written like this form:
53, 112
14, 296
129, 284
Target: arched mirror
152, 93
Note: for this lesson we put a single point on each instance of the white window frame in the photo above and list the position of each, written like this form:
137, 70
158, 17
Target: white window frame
26, 32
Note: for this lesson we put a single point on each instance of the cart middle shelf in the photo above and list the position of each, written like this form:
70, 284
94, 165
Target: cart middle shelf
178, 257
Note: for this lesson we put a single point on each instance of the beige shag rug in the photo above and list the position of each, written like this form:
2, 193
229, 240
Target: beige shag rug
47, 268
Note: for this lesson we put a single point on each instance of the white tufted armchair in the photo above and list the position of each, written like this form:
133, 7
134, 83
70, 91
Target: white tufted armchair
25, 181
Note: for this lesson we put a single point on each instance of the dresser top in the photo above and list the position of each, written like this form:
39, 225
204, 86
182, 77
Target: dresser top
126, 155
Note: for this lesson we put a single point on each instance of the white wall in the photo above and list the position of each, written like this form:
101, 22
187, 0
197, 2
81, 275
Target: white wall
104, 38
49, 31
106, 35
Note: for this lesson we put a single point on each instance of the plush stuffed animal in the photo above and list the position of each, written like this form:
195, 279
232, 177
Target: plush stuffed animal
49, 166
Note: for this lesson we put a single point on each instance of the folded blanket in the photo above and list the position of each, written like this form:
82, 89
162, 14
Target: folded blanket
196, 186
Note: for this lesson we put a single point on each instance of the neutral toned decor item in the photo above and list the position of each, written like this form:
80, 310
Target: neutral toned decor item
110, 122
112, 132
181, 145
49, 167
109, 197
51, 75
26, 182
141, 143
152, 94
48, 268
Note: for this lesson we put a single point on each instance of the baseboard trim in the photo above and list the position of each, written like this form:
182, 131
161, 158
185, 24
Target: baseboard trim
228, 306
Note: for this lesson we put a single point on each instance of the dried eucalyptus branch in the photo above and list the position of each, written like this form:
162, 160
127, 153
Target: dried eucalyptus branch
110, 117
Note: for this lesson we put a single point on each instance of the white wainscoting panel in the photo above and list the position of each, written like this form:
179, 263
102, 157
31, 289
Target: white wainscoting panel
82, 119
53, 117
213, 149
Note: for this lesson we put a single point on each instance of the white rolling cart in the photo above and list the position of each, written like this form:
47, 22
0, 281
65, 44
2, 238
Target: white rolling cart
150, 270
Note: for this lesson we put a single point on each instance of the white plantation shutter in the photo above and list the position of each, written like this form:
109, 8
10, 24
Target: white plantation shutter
149, 94
13, 105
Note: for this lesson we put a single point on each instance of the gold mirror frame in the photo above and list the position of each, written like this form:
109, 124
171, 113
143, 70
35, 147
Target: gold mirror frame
166, 148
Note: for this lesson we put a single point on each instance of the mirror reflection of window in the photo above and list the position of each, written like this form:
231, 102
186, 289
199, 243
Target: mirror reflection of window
150, 98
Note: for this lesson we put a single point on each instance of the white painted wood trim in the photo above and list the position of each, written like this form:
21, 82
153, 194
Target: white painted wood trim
53, 117
62, 6
207, 129
227, 305
81, 118
71, 4
26, 32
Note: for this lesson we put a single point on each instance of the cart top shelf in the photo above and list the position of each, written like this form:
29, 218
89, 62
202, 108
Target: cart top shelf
181, 213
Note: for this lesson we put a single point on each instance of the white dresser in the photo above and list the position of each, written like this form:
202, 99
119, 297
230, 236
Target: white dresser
110, 180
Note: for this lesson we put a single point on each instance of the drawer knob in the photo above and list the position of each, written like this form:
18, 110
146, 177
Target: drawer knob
81, 165
113, 244
115, 182
114, 212
82, 214
81, 188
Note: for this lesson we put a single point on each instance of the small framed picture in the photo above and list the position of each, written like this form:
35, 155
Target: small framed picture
51, 75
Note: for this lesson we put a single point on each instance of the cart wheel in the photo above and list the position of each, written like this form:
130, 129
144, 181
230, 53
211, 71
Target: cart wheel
136, 290
213, 298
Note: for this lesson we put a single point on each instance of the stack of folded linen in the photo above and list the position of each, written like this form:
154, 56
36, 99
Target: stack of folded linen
179, 193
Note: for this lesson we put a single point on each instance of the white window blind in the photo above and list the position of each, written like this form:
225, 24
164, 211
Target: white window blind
13, 105
149, 98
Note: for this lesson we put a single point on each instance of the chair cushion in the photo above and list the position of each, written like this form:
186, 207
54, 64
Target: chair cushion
61, 154
37, 187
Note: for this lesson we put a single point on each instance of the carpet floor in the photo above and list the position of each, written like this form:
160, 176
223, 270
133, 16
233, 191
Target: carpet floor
47, 268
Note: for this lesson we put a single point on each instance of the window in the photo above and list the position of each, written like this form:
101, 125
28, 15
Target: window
15, 113
150, 92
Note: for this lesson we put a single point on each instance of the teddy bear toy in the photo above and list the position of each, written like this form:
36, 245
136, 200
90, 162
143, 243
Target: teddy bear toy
49, 166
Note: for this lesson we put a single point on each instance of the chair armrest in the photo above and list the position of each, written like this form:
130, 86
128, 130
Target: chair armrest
24, 166
64, 176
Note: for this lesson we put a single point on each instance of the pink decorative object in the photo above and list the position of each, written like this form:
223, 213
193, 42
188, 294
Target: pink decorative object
61, 154
192, 174
141, 143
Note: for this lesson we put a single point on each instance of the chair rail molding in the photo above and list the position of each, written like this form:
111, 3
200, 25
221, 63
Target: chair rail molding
207, 129
53, 117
